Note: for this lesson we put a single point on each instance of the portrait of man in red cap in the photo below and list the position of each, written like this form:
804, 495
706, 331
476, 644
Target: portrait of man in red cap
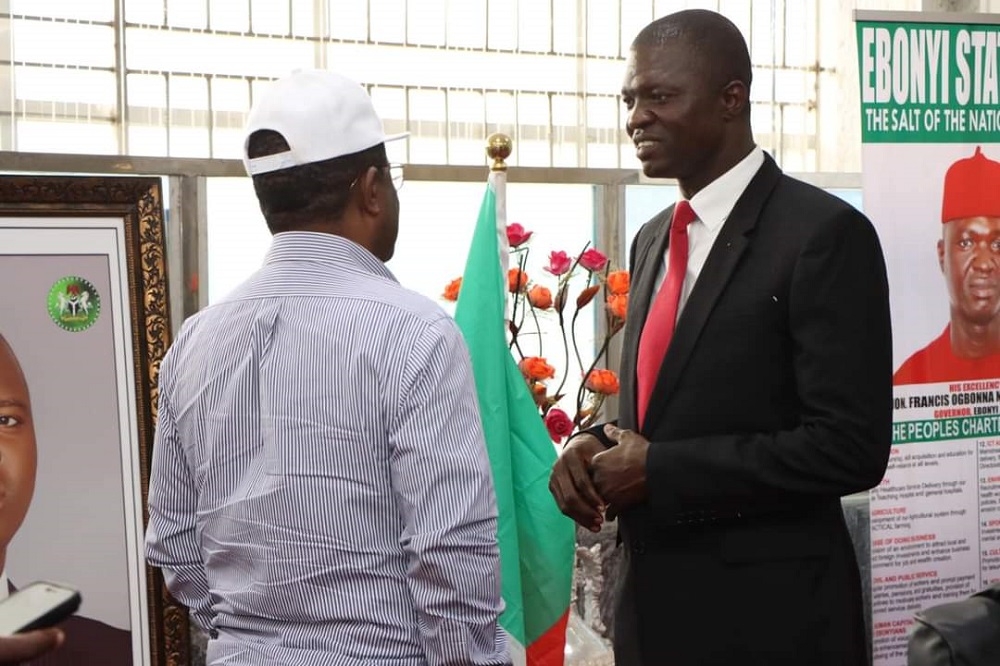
969, 256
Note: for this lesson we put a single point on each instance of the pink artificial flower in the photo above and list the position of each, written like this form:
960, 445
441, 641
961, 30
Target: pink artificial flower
559, 263
516, 235
593, 260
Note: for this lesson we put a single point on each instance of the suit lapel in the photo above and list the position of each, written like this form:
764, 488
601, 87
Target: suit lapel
718, 269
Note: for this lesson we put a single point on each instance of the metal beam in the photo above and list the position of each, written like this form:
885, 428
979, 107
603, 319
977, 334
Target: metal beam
926, 17
227, 168
121, 79
118, 165
187, 231
609, 233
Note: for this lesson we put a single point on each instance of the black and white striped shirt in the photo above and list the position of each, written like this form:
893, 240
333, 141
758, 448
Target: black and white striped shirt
320, 489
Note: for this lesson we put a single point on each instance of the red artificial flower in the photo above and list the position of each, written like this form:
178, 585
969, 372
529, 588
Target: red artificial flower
516, 235
559, 263
593, 260
559, 424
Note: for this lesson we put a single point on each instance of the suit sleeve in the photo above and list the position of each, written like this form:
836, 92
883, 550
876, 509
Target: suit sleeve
171, 539
842, 359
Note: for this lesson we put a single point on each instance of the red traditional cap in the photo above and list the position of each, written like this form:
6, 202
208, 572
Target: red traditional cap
971, 188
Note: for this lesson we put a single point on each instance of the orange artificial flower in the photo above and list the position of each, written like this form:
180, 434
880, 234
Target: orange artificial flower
539, 392
618, 282
536, 368
602, 381
513, 284
618, 304
451, 291
540, 297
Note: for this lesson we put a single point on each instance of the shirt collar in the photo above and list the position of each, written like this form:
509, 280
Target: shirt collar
715, 201
314, 246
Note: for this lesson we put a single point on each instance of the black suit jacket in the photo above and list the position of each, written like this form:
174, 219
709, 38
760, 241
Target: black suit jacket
88, 641
773, 400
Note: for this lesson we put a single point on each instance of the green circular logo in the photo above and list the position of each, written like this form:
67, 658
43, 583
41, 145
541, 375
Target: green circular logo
74, 303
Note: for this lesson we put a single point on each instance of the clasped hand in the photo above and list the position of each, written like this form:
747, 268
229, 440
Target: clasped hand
590, 481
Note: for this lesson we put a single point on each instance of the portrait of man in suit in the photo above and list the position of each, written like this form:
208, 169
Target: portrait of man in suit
87, 641
969, 257
756, 384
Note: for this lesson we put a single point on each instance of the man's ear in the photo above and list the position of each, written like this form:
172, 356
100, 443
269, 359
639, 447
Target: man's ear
940, 249
369, 188
735, 100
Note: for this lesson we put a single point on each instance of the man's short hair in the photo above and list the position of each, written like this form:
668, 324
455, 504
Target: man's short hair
301, 196
711, 37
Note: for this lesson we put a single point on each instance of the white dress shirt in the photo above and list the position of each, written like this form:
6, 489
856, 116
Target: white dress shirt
712, 205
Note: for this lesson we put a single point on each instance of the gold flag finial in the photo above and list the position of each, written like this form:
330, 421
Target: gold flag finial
498, 148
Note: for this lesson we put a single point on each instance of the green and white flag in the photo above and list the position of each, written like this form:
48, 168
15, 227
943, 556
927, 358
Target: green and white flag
536, 540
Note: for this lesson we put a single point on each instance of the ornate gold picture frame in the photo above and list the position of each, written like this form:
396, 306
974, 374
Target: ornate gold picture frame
83, 308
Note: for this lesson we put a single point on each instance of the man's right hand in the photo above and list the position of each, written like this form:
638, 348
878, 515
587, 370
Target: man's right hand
570, 483
29, 645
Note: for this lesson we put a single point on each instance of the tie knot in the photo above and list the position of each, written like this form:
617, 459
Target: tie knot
683, 216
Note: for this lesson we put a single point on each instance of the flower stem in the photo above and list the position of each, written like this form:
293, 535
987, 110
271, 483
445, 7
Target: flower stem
562, 329
564, 284
518, 295
538, 328
609, 332
522, 294
572, 332
597, 357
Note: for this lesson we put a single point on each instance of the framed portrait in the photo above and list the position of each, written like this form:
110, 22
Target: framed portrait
84, 325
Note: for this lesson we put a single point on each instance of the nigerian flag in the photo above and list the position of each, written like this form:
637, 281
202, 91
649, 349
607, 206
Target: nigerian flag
536, 540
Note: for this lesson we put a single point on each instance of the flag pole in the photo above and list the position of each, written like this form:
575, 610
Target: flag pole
498, 148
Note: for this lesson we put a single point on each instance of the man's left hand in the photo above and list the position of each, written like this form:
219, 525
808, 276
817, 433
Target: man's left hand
619, 473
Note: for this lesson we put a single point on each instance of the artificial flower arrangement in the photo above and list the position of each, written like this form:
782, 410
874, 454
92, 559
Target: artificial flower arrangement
533, 301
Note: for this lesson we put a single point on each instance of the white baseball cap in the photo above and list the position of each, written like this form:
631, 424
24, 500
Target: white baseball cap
321, 115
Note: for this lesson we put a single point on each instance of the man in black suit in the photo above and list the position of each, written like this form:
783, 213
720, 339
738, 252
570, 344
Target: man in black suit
756, 384
81, 640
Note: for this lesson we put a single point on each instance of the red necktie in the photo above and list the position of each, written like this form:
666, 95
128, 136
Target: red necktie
662, 316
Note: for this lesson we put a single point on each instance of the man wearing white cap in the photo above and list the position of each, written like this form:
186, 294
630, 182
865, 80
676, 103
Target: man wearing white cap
320, 491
